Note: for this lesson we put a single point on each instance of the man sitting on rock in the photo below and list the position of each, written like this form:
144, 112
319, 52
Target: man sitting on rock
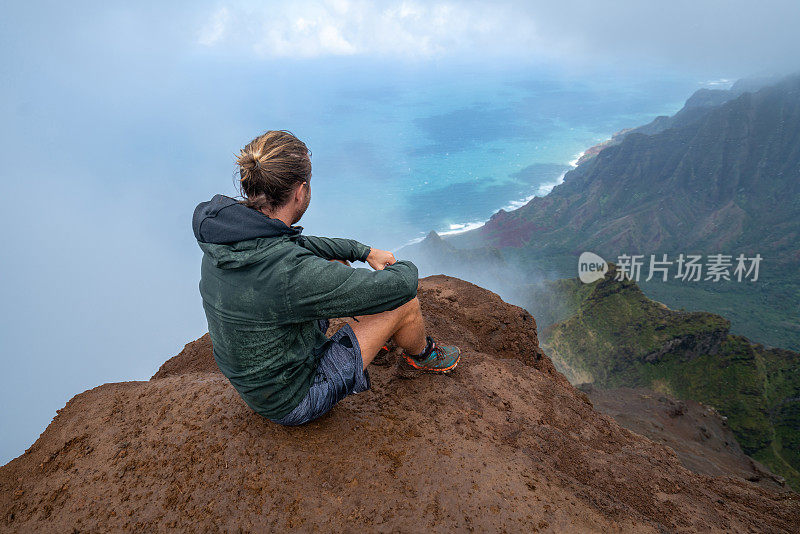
268, 292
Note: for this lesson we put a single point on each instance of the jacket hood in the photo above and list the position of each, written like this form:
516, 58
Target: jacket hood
232, 235
222, 220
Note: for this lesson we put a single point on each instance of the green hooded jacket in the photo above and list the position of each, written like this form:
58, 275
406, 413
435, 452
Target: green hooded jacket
264, 286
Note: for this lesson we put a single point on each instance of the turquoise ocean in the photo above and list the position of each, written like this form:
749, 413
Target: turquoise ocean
396, 157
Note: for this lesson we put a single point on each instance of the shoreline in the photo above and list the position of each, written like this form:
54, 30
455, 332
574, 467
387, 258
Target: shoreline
546, 188
543, 190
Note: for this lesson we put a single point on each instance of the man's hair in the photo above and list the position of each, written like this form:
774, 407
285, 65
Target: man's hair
270, 166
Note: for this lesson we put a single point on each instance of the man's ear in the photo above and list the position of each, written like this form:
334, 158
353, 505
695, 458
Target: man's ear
298, 192
300, 195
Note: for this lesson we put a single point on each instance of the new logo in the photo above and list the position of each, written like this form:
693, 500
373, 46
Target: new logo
591, 267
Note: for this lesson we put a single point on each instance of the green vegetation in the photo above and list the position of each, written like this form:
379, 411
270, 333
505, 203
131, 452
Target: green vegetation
767, 311
616, 336
721, 176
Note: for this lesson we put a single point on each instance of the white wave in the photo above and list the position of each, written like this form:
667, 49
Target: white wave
722, 82
455, 228
515, 204
459, 228
414, 241
574, 162
543, 190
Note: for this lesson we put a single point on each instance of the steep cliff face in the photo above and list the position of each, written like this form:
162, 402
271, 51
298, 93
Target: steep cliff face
720, 177
699, 434
616, 336
695, 108
729, 179
504, 443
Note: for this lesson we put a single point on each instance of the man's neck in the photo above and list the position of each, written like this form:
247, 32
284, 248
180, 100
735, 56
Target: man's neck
281, 215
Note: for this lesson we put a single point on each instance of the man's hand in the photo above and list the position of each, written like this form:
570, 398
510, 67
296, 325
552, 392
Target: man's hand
378, 259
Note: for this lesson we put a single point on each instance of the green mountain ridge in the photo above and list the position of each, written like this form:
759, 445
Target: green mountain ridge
717, 178
695, 107
615, 336
704, 184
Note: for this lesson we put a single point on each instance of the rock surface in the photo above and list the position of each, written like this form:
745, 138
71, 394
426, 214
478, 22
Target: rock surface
504, 443
698, 434
617, 337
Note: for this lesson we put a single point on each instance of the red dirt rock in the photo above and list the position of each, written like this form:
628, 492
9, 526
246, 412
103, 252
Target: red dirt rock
698, 434
504, 443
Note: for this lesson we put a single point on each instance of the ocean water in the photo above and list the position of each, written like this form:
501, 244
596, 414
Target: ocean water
395, 160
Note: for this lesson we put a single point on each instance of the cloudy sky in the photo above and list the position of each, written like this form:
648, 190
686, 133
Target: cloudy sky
117, 117
735, 36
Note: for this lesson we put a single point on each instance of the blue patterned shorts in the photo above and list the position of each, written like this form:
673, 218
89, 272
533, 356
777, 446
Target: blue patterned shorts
339, 373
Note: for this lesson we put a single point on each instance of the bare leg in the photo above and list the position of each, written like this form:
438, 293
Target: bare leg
403, 323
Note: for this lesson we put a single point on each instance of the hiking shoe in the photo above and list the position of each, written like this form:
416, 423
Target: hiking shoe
436, 359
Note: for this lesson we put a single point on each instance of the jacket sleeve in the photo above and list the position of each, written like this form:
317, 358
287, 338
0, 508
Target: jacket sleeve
321, 289
335, 248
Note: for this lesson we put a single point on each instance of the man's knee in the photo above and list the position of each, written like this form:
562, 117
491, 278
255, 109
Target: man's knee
399, 316
410, 309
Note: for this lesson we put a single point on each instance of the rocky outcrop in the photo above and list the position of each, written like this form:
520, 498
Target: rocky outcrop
698, 434
505, 443
616, 336
690, 346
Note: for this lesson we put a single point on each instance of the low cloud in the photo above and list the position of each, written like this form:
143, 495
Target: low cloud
715, 35
346, 27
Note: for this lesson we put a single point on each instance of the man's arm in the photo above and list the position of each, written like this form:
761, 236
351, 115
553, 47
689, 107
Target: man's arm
321, 289
334, 248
